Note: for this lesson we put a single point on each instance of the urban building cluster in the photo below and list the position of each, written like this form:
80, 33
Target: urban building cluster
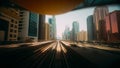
102, 26
21, 25
74, 34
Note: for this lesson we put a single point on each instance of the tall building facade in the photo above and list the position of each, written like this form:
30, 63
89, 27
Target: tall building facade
113, 26
75, 30
54, 26
9, 20
99, 14
33, 26
90, 28
28, 25
23, 25
41, 28
47, 31
52, 22
66, 34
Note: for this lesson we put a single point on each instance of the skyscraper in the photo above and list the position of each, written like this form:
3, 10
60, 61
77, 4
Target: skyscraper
75, 30
28, 25
52, 22
47, 31
33, 25
23, 25
90, 28
113, 26
66, 34
41, 30
99, 14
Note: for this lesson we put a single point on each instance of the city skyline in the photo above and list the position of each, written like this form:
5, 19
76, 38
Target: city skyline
83, 37
81, 15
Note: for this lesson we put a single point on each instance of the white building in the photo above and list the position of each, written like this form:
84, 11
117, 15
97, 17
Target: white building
28, 26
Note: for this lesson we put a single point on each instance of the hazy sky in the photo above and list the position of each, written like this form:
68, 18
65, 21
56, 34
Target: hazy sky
81, 15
